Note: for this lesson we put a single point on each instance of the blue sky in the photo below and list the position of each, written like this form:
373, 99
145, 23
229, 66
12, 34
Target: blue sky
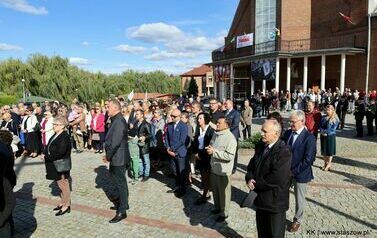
115, 35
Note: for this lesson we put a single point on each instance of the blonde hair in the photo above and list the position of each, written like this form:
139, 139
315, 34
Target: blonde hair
61, 119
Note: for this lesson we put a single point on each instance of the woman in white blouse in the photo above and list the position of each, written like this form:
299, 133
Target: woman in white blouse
28, 127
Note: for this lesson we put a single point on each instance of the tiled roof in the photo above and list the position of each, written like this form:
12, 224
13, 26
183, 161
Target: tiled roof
141, 96
201, 70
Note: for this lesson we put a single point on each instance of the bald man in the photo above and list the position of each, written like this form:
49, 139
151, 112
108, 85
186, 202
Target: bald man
176, 143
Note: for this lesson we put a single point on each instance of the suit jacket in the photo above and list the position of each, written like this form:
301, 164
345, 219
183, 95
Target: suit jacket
272, 174
57, 148
303, 155
116, 142
144, 130
177, 139
234, 117
246, 116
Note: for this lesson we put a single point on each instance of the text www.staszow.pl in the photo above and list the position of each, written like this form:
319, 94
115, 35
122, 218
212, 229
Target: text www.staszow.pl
344, 233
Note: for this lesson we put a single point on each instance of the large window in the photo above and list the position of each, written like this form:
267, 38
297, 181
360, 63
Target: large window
265, 24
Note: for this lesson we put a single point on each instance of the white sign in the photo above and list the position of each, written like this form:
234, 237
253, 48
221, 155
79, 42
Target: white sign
245, 40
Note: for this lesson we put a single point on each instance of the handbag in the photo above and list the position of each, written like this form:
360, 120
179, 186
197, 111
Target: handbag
95, 136
63, 165
248, 201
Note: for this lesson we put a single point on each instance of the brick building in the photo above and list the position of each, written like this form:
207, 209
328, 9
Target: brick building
203, 75
294, 44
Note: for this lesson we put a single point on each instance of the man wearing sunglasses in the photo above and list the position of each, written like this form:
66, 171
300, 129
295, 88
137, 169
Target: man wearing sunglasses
176, 144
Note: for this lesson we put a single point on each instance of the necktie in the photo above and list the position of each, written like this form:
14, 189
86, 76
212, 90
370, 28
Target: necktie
290, 142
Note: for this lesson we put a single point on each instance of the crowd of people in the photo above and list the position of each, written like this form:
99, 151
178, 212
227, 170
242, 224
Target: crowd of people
143, 136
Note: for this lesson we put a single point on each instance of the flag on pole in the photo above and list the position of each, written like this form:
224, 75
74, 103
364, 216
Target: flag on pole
346, 18
131, 95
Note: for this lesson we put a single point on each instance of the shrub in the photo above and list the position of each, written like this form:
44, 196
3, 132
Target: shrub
7, 99
250, 142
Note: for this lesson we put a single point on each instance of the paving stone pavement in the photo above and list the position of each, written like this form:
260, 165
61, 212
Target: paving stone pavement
342, 200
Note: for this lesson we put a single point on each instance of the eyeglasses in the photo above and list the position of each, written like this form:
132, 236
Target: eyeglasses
173, 116
293, 122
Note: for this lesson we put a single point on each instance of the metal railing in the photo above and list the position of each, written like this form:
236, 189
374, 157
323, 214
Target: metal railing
291, 46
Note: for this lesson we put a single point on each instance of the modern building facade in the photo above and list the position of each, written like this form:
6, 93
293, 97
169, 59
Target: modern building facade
298, 44
203, 75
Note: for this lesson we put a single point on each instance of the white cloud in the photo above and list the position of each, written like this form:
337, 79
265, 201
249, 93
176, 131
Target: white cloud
7, 47
129, 49
155, 32
79, 61
175, 42
163, 55
85, 43
24, 6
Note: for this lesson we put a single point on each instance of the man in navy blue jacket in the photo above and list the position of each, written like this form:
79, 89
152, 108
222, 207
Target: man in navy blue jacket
303, 147
176, 144
234, 117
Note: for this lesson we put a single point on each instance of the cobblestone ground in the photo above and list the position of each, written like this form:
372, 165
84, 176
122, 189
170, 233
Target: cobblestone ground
343, 200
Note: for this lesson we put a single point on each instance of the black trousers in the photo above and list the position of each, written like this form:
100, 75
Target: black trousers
270, 225
248, 130
359, 128
119, 175
370, 125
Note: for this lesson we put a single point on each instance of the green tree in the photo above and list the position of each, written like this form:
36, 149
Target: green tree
53, 77
193, 88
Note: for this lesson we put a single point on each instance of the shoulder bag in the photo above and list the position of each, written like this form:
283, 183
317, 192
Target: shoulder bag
63, 165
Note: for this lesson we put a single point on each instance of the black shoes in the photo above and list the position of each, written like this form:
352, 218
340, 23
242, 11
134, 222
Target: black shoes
61, 212
201, 200
145, 179
179, 194
57, 208
96, 152
118, 217
221, 219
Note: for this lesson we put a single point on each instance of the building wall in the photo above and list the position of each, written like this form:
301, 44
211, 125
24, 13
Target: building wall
295, 19
326, 20
245, 22
185, 81
373, 58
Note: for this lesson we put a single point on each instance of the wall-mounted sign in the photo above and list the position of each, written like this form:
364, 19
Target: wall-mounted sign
245, 40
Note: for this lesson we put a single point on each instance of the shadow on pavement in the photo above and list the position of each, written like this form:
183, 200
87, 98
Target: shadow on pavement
356, 179
104, 181
200, 214
23, 215
356, 219
351, 162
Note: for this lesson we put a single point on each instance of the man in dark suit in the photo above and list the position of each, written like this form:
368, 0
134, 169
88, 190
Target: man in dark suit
234, 117
304, 147
117, 154
268, 174
176, 144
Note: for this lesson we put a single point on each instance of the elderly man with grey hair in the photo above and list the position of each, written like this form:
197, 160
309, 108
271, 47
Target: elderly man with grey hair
268, 174
304, 148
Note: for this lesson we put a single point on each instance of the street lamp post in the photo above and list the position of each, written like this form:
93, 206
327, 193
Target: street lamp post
23, 90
